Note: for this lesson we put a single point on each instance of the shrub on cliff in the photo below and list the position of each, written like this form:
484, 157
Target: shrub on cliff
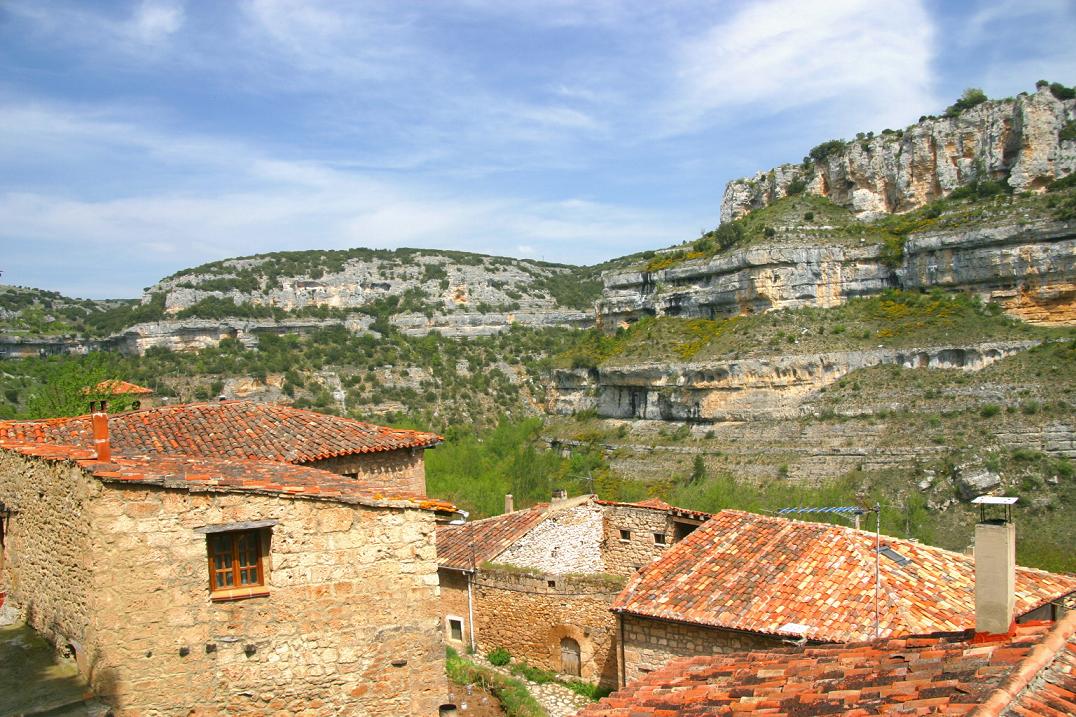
972, 97
825, 150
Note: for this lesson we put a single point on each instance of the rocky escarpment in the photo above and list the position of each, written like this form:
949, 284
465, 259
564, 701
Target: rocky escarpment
744, 389
1030, 268
1018, 141
437, 281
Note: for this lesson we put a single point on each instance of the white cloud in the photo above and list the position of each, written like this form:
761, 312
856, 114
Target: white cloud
148, 27
778, 55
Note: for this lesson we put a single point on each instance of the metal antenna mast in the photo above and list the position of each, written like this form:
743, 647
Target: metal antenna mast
855, 512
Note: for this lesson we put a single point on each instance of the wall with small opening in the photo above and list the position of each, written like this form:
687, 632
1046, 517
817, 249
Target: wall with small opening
530, 614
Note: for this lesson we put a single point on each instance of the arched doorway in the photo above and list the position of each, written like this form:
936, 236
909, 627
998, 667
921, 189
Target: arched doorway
569, 657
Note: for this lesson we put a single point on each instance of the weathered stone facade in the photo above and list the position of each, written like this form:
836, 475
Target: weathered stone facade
401, 471
529, 614
643, 526
455, 605
569, 540
649, 644
350, 624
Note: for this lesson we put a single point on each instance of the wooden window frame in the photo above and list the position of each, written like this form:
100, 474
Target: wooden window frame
660, 539
237, 590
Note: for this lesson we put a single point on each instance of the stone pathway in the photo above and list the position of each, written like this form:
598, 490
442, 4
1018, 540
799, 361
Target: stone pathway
556, 700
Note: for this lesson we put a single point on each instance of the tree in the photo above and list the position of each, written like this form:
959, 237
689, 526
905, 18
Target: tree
972, 96
67, 386
698, 470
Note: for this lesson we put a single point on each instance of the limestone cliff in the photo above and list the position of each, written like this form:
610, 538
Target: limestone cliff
1017, 141
1029, 267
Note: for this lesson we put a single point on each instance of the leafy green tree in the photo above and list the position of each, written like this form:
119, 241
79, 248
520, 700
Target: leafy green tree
972, 96
66, 387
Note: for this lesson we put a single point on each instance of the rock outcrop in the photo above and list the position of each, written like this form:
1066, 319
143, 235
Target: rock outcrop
1016, 141
740, 390
1030, 268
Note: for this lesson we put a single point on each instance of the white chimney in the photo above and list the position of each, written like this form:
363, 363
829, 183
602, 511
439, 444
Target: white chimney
509, 503
995, 568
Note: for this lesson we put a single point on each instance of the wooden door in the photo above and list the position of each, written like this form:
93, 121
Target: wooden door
569, 657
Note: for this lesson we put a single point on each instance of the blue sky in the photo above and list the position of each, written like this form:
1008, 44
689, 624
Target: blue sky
138, 138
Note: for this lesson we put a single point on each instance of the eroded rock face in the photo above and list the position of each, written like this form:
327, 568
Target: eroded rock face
443, 283
1015, 141
1031, 269
740, 390
463, 325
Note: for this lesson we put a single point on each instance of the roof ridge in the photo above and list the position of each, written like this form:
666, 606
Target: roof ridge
1039, 657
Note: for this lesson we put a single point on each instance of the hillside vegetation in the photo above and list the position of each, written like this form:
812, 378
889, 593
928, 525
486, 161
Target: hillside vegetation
894, 319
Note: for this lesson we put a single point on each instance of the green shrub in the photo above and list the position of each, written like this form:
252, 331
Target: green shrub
532, 673
499, 657
586, 689
989, 410
1063, 183
972, 97
796, 186
822, 152
1061, 92
1068, 131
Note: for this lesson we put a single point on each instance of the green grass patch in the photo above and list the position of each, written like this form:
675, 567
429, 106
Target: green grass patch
513, 695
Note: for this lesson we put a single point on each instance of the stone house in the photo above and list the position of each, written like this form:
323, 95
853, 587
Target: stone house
540, 582
222, 581
745, 582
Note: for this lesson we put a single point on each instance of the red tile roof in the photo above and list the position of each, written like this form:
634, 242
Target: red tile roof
1030, 673
659, 504
770, 575
226, 429
229, 475
469, 545
116, 387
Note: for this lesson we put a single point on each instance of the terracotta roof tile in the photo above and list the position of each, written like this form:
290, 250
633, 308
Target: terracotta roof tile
117, 387
469, 545
772, 575
927, 676
659, 504
226, 429
197, 474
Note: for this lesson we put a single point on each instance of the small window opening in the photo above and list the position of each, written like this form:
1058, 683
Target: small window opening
235, 561
551, 583
455, 629
625, 534
659, 538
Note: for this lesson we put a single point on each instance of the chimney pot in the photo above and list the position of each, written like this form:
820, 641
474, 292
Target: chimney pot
509, 503
559, 495
102, 442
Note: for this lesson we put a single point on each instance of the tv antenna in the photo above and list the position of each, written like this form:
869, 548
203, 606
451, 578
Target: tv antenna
855, 512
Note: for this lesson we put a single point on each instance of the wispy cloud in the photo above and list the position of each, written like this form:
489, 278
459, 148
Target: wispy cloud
779, 55
148, 25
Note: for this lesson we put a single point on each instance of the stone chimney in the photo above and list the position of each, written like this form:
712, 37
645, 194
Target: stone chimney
995, 568
509, 503
102, 443
559, 496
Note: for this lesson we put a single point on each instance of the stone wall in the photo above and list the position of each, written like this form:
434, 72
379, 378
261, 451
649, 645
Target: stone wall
351, 622
454, 604
529, 615
47, 560
649, 644
624, 557
402, 471
567, 541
